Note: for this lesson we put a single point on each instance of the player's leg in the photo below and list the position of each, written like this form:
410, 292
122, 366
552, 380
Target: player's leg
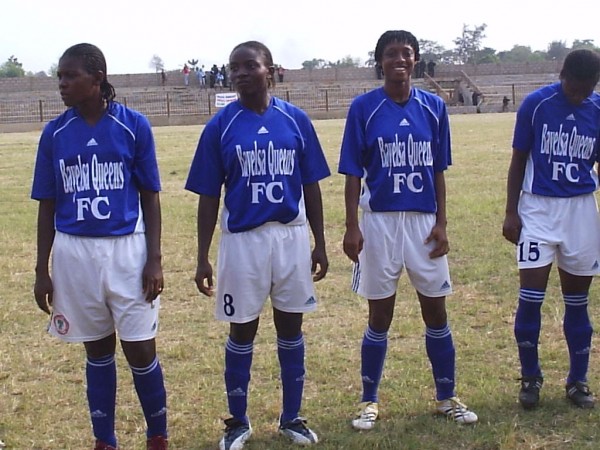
150, 387
101, 380
578, 334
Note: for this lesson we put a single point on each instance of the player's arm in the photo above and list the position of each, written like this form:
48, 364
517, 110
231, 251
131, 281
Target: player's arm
511, 228
353, 238
43, 288
314, 213
438, 232
152, 275
208, 209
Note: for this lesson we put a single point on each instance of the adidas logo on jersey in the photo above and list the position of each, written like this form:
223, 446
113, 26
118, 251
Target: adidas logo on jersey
570, 117
311, 301
404, 123
445, 285
263, 130
237, 392
91, 142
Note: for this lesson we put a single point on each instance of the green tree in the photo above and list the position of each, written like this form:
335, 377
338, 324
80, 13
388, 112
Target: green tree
346, 61
557, 50
157, 63
314, 64
585, 43
12, 68
431, 50
469, 43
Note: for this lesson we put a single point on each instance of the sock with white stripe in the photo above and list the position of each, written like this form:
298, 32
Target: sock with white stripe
238, 360
150, 387
373, 352
101, 378
528, 322
291, 360
578, 333
441, 353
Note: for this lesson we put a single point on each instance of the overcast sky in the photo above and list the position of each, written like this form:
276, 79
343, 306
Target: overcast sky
130, 32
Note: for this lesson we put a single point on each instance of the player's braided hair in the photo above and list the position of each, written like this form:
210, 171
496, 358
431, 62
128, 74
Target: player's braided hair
401, 36
262, 48
581, 65
93, 61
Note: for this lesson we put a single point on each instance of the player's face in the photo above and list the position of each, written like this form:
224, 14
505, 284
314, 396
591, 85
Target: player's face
397, 61
249, 73
577, 91
76, 85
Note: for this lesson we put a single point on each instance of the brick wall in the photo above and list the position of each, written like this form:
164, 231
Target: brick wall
332, 75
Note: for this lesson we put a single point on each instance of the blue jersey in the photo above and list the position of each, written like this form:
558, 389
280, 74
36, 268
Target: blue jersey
94, 173
562, 141
397, 149
262, 160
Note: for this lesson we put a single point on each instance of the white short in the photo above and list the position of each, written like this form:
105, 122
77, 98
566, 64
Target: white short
98, 289
393, 241
565, 229
271, 260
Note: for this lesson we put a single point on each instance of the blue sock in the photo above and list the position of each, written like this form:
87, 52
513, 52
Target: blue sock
101, 377
291, 360
238, 360
441, 353
578, 333
150, 387
373, 351
528, 322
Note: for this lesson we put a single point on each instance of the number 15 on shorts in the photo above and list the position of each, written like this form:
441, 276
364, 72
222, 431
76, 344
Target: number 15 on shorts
529, 251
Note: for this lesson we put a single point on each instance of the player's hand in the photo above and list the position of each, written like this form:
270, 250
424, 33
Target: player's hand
511, 228
353, 243
153, 282
439, 236
320, 263
43, 291
204, 279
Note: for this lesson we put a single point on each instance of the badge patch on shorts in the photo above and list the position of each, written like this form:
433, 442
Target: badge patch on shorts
61, 324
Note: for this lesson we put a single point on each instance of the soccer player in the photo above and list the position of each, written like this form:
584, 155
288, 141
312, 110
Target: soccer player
551, 214
266, 153
97, 181
397, 145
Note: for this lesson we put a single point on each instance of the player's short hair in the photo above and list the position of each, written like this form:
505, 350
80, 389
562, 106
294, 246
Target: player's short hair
93, 61
261, 48
400, 36
581, 65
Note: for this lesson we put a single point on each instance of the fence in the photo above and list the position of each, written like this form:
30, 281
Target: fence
200, 102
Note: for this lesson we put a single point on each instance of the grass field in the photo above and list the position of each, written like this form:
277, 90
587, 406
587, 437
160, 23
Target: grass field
42, 390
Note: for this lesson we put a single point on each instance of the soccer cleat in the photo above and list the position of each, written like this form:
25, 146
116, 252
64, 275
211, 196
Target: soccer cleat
157, 443
236, 434
297, 432
103, 446
366, 417
453, 409
580, 395
529, 395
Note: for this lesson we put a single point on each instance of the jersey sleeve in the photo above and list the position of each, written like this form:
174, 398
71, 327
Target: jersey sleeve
207, 172
523, 136
145, 169
313, 166
44, 183
353, 143
444, 156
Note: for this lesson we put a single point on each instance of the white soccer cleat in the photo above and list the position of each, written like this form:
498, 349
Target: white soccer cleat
453, 409
366, 417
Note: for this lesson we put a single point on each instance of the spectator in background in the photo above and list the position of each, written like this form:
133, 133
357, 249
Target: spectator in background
163, 77
420, 69
224, 73
186, 75
431, 68
280, 72
505, 102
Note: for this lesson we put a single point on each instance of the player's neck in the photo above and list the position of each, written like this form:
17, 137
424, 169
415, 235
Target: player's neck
258, 103
398, 91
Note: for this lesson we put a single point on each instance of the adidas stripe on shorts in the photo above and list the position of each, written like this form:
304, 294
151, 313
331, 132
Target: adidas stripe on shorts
271, 260
565, 229
394, 241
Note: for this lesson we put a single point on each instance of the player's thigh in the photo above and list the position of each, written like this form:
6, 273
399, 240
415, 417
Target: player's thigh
243, 275
381, 260
292, 288
541, 231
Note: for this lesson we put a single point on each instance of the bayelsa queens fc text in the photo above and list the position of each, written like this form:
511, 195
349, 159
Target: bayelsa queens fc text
263, 164
402, 148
